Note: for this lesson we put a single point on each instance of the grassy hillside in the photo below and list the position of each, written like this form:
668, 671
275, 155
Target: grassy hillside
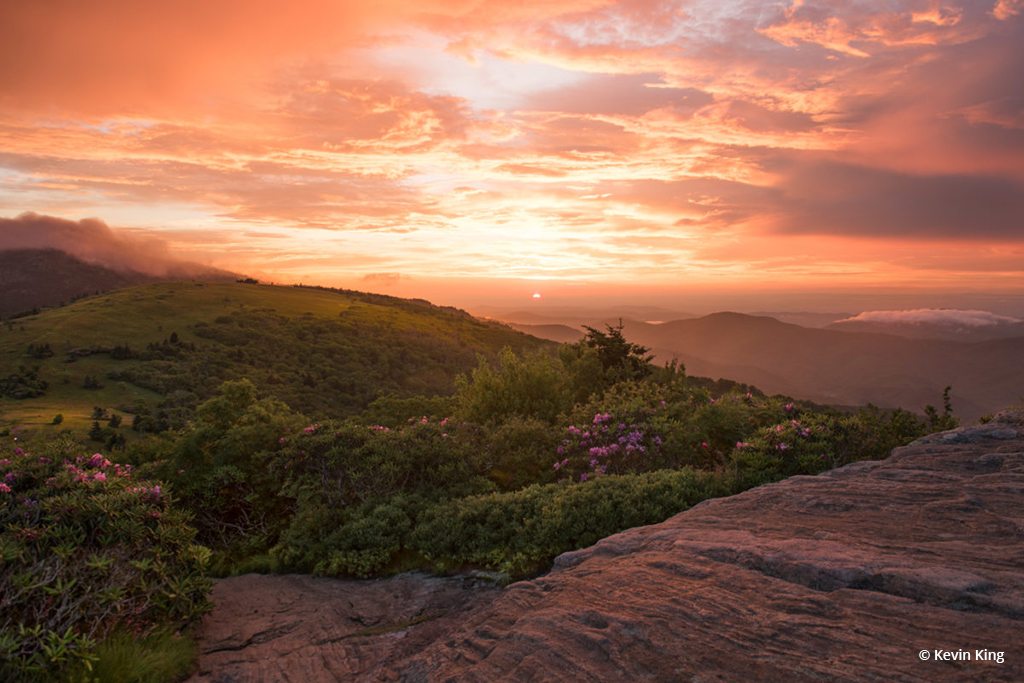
166, 346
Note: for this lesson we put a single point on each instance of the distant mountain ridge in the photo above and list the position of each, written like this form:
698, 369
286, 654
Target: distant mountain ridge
36, 278
951, 329
842, 367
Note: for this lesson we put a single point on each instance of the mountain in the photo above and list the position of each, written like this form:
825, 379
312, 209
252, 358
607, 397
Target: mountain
803, 318
38, 278
34, 278
845, 368
563, 334
951, 330
157, 349
543, 314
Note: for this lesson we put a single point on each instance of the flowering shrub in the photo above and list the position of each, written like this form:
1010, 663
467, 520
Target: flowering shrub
815, 442
606, 446
87, 549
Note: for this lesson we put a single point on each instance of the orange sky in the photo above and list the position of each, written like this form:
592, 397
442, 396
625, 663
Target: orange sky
467, 150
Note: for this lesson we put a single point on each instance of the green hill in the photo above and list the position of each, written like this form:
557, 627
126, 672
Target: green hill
156, 350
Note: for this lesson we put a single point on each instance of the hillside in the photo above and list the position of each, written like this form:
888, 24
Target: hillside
35, 278
563, 334
160, 348
843, 576
836, 367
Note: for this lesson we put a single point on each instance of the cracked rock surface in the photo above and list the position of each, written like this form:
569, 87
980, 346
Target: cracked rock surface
843, 576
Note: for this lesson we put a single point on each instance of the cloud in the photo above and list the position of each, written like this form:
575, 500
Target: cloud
1005, 9
383, 279
934, 316
92, 240
629, 94
828, 197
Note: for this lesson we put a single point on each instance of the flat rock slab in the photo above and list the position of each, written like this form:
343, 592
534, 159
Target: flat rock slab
908, 569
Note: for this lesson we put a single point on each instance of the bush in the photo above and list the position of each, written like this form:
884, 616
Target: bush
813, 443
521, 532
220, 467
88, 549
534, 385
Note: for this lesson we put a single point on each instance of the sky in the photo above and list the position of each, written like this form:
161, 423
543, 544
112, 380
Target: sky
822, 155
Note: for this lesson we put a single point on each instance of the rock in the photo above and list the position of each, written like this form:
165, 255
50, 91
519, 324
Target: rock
843, 576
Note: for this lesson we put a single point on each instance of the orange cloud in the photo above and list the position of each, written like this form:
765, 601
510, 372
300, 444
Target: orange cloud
574, 140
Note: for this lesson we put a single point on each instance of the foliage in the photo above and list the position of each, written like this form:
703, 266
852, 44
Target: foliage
812, 443
946, 420
520, 532
162, 349
532, 386
88, 548
25, 383
622, 359
219, 466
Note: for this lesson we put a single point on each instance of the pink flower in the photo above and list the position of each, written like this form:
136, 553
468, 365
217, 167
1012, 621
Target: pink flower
4, 488
444, 422
704, 444
97, 460
311, 428
99, 476
742, 444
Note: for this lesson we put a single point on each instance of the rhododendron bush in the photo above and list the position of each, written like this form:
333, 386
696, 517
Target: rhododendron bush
86, 549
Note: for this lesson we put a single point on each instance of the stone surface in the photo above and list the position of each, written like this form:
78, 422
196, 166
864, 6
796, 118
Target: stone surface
843, 576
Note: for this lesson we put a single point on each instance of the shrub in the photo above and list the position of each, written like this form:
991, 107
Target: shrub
87, 549
534, 385
219, 465
522, 531
813, 443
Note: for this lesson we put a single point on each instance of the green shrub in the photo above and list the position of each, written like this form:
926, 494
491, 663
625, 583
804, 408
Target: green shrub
522, 531
815, 442
220, 468
519, 452
86, 549
534, 385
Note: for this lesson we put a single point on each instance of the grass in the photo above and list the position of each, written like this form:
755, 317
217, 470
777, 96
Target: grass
372, 343
161, 657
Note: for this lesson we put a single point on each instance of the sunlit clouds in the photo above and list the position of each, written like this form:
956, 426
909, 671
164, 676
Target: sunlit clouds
394, 145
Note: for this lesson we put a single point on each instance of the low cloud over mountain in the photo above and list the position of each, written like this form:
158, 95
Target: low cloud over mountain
93, 241
933, 316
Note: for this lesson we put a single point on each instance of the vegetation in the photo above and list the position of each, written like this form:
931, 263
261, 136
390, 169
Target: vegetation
87, 548
360, 451
159, 350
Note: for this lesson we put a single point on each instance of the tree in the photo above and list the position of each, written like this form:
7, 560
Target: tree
622, 359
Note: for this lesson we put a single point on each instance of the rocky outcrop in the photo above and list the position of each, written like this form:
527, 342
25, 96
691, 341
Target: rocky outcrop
908, 569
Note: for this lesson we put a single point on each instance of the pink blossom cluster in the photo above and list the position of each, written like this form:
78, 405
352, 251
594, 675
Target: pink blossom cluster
152, 493
598, 446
